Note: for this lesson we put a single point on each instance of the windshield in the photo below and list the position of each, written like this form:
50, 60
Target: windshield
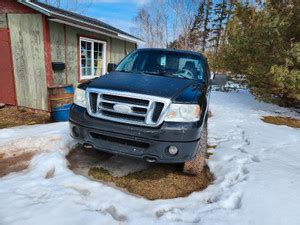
163, 63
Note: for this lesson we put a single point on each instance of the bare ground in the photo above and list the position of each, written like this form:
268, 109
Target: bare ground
15, 163
154, 181
11, 116
278, 120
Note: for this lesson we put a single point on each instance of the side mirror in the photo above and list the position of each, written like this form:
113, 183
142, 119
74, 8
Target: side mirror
219, 80
111, 67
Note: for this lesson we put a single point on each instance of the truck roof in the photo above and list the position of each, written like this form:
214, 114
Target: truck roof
172, 50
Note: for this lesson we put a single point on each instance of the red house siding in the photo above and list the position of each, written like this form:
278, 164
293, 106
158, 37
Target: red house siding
7, 84
47, 54
47, 49
12, 6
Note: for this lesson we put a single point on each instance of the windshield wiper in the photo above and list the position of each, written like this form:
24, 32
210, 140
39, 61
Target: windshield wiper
124, 71
160, 73
152, 73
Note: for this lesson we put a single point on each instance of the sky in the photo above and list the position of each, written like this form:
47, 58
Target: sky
118, 13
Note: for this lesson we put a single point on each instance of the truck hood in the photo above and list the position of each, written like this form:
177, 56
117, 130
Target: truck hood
161, 86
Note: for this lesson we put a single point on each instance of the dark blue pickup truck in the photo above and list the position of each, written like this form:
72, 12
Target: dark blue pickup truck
153, 105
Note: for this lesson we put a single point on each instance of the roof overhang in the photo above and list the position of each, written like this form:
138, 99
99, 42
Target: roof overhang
60, 18
109, 34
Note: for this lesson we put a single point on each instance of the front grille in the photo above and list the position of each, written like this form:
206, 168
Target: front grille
127, 107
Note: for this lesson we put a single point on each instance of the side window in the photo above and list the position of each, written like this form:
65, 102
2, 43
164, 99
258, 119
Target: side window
194, 66
92, 58
128, 66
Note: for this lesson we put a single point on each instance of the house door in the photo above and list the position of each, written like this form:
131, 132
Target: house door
7, 86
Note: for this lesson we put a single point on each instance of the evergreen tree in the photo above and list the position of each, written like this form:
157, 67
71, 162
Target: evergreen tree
218, 23
263, 44
230, 14
198, 26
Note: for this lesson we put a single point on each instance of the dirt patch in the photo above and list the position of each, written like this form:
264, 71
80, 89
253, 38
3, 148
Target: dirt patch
153, 181
11, 116
15, 163
278, 120
81, 158
157, 182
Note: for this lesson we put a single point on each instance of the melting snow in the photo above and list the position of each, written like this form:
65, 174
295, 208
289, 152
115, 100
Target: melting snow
256, 166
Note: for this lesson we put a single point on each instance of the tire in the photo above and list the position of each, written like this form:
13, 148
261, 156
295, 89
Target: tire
196, 165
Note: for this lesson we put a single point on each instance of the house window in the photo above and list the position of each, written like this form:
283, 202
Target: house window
92, 58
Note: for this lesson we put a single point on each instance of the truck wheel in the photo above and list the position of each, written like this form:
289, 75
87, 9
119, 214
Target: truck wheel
196, 165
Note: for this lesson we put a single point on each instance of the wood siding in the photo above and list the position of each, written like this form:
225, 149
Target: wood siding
26, 34
58, 50
130, 47
115, 49
3, 21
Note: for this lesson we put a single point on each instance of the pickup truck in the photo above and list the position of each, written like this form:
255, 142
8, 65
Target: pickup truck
153, 105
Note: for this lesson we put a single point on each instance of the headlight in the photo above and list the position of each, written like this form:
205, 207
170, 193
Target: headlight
79, 97
183, 113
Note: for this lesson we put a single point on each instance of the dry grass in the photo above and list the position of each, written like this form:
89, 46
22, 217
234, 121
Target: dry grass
211, 146
11, 116
278, 120
208, 154
157, 182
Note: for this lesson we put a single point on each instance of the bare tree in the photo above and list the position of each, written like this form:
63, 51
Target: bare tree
159, 16
144, 27
163, 21
152, 24
183, 14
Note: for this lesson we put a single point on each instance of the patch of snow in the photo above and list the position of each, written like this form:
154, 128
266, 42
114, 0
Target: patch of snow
37, 138
255, 164
119, 166
234, 85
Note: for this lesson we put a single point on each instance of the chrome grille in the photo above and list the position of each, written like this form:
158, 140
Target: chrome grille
126, 107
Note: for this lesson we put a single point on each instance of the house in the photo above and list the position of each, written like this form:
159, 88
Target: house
41, 46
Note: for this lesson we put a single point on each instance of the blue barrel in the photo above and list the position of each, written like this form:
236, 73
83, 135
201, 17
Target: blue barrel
61, 99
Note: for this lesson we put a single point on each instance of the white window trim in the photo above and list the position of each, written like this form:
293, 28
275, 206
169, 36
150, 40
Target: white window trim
92, 55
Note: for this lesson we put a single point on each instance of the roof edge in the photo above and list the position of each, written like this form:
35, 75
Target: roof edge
48, 13
31, 5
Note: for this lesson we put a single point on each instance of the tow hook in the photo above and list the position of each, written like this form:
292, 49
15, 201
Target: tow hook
87, 146
150, 159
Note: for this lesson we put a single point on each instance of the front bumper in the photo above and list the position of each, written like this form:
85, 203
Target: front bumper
130, 140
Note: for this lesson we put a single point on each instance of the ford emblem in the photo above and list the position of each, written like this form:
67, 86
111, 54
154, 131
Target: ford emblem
120, 108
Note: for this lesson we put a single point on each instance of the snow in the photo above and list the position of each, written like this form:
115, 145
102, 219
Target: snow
255, 164
122, 166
